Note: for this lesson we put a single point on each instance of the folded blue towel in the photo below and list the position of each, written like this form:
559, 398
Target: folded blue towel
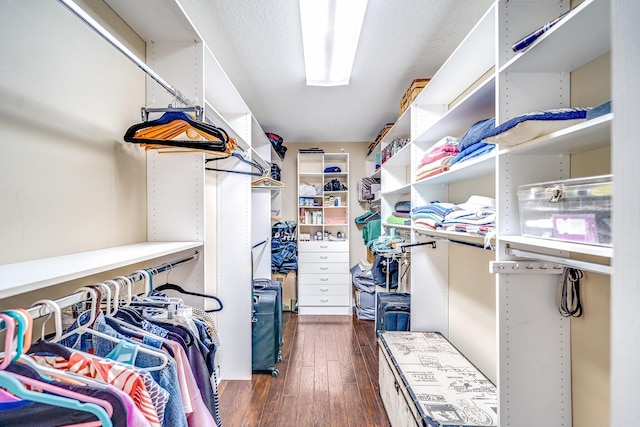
333, 169
403, 206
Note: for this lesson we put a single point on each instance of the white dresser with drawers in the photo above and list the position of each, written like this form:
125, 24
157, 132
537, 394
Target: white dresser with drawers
324, 280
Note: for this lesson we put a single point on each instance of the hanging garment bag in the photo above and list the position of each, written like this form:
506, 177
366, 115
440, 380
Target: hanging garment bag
265, 346
393, 312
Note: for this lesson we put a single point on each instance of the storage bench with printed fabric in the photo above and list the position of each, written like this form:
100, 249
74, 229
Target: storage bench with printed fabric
426, 382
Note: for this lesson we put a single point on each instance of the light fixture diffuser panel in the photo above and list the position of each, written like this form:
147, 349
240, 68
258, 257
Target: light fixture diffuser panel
330, 34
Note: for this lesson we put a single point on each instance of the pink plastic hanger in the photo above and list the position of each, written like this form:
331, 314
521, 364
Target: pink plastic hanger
58, 396
10, 325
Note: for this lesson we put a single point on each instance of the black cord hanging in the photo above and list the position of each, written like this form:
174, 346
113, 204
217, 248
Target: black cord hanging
570, 299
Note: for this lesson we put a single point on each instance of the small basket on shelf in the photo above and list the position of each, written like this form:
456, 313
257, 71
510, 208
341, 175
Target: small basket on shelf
412, 93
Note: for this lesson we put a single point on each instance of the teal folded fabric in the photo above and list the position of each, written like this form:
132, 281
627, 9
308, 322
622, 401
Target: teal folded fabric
397, 220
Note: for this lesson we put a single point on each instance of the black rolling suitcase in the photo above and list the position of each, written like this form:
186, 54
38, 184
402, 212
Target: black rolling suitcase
274, 285
265, 342
393, 311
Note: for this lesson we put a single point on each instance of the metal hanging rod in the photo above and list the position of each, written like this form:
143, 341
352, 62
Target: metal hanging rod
78, 297
567, 262
403, 248
76, 10
450, 240
144, 111
164, 267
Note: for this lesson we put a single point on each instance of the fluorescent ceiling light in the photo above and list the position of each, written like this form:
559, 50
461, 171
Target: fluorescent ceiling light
330, 33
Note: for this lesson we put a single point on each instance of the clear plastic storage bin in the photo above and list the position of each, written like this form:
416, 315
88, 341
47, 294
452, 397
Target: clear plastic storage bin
572, 210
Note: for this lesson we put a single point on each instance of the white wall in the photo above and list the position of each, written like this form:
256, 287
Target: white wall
68, 181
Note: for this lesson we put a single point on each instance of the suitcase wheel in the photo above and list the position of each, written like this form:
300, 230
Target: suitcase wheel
275, 373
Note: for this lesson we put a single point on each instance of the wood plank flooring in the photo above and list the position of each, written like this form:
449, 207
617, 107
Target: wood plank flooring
328, 377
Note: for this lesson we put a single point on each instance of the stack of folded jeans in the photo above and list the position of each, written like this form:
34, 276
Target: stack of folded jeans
284, 249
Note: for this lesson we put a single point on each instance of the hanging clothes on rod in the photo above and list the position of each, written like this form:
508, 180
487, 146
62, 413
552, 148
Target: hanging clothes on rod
114, 347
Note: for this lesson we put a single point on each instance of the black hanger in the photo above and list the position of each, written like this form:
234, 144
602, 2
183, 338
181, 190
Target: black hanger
173, 287
260, 169
219, 145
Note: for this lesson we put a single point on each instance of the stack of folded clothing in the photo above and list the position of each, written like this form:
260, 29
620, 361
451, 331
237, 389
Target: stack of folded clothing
438, 158
481, 136
401, 214
431, 215
471, 144
365, 290
476, 215
284, 249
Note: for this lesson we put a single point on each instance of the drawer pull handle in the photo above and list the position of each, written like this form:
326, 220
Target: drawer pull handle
324, 279
324, 289
324, 268
324, 246
324, 300
324, 257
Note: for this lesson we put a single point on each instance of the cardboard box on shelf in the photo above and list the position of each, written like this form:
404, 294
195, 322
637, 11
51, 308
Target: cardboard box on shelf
289, 289
371, 257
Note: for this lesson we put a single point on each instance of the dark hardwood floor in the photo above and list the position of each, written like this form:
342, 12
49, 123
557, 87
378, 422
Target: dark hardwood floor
328, 377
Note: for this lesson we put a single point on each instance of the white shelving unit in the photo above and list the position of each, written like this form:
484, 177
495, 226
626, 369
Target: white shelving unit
539, 78
326, 212
324, 281
484, 78
26, 276
219, 207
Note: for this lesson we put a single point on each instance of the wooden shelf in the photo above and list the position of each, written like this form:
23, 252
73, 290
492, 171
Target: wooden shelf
156, 20
28, 276
403, 227
401, 158
585, 136
472, 168
401, 128
555, 51
477, 105
472, 238
405, 189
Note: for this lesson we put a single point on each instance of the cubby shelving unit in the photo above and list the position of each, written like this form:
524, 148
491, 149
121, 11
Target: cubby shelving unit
323, 235
176, 50
327, 211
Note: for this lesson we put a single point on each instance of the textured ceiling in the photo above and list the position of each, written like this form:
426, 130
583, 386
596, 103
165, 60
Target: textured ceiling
259, 45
